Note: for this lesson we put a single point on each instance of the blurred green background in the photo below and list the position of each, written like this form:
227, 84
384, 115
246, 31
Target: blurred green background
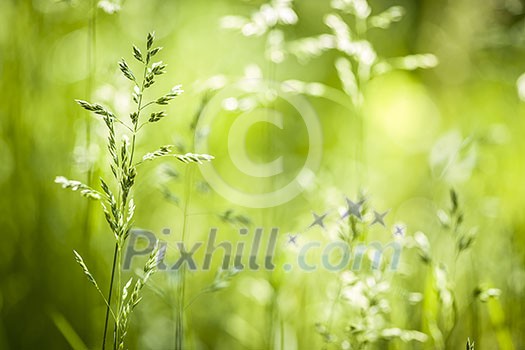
458, 125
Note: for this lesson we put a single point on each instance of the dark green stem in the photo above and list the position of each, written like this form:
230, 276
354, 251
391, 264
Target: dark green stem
109, 296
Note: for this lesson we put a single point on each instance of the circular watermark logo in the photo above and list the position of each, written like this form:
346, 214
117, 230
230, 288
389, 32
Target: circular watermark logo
238, 117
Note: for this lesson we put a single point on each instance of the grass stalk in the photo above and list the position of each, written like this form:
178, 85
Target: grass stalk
110, 295
119, 210
181, 286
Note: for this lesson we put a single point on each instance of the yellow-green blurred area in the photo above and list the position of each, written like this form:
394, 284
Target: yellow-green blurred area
458, 125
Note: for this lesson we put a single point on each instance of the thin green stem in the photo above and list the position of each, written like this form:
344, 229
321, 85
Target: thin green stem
195, 297
141, 125
125, 125
139, 109
179, 333
147, 104
119, 300
109, 297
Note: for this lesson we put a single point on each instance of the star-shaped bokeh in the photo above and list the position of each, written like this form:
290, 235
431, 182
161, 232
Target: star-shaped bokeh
318, 220
379, 218
399, 230
353, 209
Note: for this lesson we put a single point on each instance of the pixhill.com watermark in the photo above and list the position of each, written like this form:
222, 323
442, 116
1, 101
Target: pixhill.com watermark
256, 250
249, 102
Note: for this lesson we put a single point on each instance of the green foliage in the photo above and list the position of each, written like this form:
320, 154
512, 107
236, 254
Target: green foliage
404, 133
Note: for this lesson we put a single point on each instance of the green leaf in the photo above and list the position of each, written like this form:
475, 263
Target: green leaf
158, 68
85, 269
137, 54
151, 38
154, 51
174, 92
124, 68
156, 116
